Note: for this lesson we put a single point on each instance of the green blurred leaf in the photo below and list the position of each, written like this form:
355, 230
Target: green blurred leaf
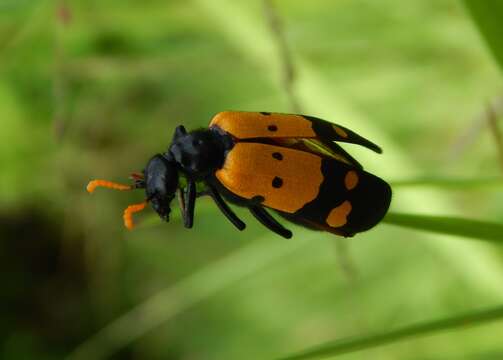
202, 284
475, 229
487, 14
450, 183
370, 341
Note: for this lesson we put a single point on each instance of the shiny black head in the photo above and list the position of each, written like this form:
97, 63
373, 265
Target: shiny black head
161, 183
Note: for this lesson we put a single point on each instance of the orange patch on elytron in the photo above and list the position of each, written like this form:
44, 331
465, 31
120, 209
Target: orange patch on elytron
288, 179
339, 216
340, 131
351, 180
248, 125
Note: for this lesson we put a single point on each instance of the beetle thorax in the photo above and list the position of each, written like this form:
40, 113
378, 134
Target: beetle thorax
199, 153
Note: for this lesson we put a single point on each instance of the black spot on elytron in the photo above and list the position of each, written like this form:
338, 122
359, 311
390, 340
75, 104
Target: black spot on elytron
257, 199
277, 182
277, 156
265, 113
272, 128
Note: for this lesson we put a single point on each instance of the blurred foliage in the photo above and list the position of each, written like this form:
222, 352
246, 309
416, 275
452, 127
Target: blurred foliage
474, 229
487, 15
365, 342
91, 89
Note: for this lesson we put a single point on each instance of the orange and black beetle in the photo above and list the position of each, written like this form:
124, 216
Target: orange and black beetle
288, 163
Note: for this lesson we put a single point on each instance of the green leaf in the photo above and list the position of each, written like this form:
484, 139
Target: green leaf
352, 344
487, 14
451, 183
188, 292
475, 229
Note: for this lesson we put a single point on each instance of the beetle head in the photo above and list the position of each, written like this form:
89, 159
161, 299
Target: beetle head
160, 182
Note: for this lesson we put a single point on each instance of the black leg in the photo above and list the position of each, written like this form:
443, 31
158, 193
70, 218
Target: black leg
224, 208
190, 203
269, 222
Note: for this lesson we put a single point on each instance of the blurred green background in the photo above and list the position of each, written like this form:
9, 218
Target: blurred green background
91, 89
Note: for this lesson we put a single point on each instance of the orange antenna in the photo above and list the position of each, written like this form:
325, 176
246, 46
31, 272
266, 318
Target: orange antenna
106, 184
128, 214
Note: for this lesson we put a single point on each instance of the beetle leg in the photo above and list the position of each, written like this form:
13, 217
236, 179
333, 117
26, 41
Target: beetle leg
224, 208
268, 221
190, 203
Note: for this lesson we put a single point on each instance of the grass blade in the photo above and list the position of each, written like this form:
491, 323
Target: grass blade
487, 14
451, 183
173, 300
347, 345
475, 229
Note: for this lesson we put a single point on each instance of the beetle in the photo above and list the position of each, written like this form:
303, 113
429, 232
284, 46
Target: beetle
285, 162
